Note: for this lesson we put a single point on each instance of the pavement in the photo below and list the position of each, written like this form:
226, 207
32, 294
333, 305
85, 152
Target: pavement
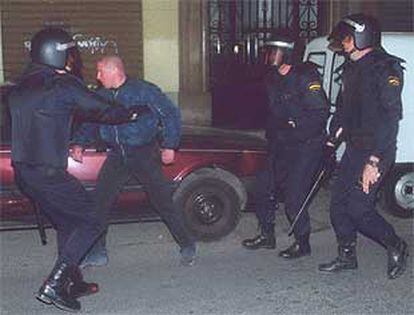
144, 275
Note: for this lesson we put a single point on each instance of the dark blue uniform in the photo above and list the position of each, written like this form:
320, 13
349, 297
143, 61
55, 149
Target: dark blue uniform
42, 106
369, 110
298, 111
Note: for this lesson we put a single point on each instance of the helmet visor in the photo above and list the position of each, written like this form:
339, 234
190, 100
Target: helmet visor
338, 34
273, 56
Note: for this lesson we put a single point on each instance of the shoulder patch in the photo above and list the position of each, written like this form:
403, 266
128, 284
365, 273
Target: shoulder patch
393, 80
314, 86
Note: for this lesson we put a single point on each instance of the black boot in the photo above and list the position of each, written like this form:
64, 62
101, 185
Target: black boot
266, 239
79, 288
55, 289
397, 258
298, 249
346, 259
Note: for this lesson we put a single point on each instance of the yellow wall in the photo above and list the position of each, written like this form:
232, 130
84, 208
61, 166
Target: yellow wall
1, 53
160, 33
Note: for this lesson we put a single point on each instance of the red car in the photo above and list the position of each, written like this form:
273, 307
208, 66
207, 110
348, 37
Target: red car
213, 175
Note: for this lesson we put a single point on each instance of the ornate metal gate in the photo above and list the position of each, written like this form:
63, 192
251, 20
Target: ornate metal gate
236, 31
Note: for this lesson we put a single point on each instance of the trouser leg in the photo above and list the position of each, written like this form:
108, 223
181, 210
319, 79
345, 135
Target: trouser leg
266, 206
373, 225
352, 209
266, 202
342, 223
370, 223
145, 164
304, 164
346, 182
112, 176
65, 201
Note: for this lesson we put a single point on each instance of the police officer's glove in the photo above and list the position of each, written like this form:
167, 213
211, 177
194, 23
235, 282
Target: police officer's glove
329, 157
137, 111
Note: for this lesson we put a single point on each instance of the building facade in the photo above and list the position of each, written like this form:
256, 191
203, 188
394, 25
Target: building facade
181, 45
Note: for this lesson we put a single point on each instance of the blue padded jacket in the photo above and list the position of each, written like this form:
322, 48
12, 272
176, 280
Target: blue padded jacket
164, 118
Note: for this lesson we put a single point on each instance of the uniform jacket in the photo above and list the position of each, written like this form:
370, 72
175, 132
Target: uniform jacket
298, 97
164, 118
42, 107
369, 105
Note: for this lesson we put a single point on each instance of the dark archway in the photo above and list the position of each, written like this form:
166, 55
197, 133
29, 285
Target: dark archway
236, 31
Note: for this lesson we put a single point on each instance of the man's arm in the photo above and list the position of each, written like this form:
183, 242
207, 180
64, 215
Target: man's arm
92, 106
390, 86
312, 108
170, 119
389, 89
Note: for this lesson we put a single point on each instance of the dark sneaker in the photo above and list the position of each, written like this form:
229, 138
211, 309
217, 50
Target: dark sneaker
188, 255
95, 260
397, 259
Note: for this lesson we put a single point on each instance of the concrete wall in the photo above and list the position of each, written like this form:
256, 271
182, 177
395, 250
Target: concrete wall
194, 97
172, 33
1, 53
160, 33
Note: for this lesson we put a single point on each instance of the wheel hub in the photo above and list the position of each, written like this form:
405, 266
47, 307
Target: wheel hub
207, 208
404, 191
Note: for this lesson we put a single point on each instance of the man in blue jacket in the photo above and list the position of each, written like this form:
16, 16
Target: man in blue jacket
134, 150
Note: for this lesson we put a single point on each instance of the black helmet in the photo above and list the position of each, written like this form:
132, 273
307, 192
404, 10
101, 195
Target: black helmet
51, 47
364, 30
285, 42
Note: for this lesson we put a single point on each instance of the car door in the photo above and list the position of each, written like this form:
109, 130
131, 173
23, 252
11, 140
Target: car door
132, 202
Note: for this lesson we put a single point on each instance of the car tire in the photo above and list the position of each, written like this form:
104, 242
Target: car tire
398, 191
210, 205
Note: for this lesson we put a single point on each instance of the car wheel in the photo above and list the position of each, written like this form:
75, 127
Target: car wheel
211, 207
399, 191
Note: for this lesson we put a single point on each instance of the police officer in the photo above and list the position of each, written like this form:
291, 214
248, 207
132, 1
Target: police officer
42, 106
298, 111
369, 110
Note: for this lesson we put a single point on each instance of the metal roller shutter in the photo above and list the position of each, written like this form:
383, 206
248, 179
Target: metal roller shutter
101, 27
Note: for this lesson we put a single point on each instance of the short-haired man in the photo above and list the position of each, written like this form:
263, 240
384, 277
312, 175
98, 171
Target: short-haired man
134, 150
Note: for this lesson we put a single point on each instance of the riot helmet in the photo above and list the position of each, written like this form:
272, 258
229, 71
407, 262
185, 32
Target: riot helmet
280, 48
52, 47
363, 29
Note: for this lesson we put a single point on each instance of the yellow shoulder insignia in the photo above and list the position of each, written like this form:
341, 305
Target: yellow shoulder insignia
314, 86
393, 80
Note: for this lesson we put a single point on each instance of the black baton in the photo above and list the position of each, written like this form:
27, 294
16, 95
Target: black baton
40, 225
307, 199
